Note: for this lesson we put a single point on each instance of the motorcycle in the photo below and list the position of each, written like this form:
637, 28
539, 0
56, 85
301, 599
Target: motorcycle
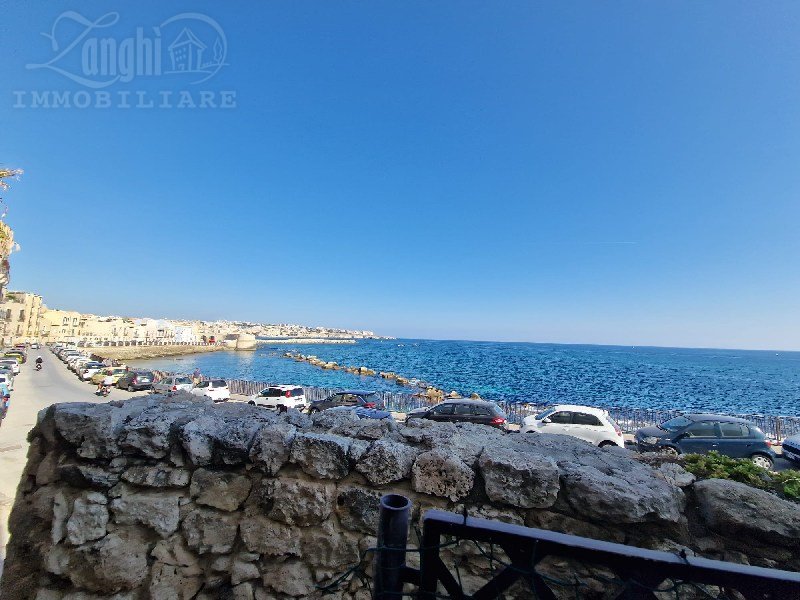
103, 390
38, 366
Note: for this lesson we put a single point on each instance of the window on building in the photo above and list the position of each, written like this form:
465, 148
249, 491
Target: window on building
8, 315
22, 315
65, 322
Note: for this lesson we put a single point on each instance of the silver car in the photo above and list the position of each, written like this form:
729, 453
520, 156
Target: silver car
173, 383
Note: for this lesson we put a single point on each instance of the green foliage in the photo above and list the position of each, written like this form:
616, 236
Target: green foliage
717, 466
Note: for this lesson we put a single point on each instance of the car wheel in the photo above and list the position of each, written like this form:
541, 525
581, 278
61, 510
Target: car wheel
606, 444
669, 451
313, 410
130, 388
762, 460
251, 403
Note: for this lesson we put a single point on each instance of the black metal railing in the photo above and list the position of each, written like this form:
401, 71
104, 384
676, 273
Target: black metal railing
516, 554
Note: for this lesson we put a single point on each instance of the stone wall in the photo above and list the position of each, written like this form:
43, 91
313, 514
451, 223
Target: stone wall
159, 497
123, 353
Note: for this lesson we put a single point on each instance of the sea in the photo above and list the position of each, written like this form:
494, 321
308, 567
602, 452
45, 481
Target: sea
731, 381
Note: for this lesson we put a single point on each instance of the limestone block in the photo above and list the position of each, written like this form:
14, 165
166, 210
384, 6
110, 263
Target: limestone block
522, 480
736, 509
157, 476
270, 450
442, 473
88, 520
297, 502
219, 489
357, 508
209, 530
159, 510
321, 455
387, 461
265, 536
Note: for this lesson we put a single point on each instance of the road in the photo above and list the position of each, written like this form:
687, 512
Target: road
33, 391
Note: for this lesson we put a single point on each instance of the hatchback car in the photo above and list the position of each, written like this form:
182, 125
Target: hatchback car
593, 425
701, 433
115, 372
136, 380
89, 369
791, 448
280, 396
216, 389
173, 383
483, 412
11, 362
18, 355
353, 398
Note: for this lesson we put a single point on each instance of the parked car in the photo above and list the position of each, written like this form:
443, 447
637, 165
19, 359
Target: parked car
115, 372
791, 448
363, 413
173, 383
216, 389
461, 410
20, 356
89, 369
136, 380
593, 425
360, 398
8, 380
280, 396
35, 346
701, 433
11, 362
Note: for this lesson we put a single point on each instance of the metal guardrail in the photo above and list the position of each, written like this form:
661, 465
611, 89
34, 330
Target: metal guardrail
637, 573
629, 419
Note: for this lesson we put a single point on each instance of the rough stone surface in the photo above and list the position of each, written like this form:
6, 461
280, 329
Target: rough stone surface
525, 481
208, 530
442, 473
357, 508
176, 497
155, 509
88, 520
733, 508
222, 490
386, 461
157, 476
270, 450
297, 502
321, 455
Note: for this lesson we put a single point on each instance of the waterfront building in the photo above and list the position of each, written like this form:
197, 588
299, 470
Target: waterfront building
21, 314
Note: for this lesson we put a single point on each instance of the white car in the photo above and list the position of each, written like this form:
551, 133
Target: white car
280, 396
173, 383
593, 425
216, 389
88, 369
9, 381
11, 362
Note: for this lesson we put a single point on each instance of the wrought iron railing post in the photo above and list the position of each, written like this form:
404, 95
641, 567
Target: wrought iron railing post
390, 557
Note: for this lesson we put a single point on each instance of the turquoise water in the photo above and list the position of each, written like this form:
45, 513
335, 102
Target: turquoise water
737, 381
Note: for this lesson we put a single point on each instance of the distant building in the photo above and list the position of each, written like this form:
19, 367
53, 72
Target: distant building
21, 314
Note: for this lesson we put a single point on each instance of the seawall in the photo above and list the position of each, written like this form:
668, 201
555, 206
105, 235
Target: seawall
174, 497
123, 353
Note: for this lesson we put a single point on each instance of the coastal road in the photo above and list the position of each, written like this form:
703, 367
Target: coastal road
34, 391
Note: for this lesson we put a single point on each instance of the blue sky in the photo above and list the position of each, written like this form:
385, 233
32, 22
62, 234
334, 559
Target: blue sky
621, 173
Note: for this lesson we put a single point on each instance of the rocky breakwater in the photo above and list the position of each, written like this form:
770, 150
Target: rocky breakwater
173, 497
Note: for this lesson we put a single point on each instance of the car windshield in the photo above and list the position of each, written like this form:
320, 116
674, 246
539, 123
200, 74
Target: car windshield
545, 414
675, 424
219, 383
182, 380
